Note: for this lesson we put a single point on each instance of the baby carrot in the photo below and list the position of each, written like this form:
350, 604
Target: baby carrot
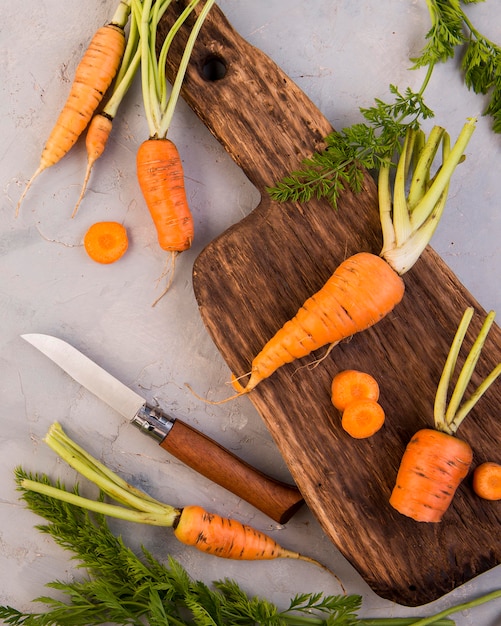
93, 76
487, 480
362, 418
350, 385
106, 242
193, 526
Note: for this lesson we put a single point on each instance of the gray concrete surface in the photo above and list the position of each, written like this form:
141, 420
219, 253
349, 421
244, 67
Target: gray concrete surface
343, 55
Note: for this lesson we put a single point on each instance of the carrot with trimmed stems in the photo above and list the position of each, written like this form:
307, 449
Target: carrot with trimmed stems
362, 418
93, 76
106, 242
158, 162
350, 385
435, 461
193, 526
366, 287
487, 480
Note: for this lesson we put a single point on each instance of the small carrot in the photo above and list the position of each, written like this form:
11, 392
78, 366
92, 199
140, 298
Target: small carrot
159, 167
487, 480
350, 385
193, 526
365, 287
93, 76
362, 418
101, 124
106, 242
435, 461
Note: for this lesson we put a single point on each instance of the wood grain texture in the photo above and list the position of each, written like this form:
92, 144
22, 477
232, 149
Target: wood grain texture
253, 277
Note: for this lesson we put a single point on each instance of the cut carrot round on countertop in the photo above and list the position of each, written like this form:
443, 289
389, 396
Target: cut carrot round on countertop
362, 418
106, 242
487, 480
350, 385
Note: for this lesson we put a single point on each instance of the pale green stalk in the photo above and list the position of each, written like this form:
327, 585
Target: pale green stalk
421, 175
401, 220
449, 367
167, 517
443, 176
109, 482
176, 88
385, 207
122, 12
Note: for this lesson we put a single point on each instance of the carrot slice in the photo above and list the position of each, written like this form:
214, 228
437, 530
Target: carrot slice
487, 481
362, 418
106, 242
351, 385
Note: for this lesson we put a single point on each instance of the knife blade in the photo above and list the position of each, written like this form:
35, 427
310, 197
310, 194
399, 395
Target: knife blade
276, 499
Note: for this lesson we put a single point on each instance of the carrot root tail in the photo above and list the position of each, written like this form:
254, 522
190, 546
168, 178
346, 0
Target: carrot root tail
39, 170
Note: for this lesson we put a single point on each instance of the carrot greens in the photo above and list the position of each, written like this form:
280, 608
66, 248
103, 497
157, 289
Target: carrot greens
373, 143
122, 587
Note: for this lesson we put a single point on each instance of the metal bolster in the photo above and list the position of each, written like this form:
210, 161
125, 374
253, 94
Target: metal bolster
153, 423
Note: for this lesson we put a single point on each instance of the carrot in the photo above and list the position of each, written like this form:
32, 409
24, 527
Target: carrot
159, 168
350, 385
365, 287
487, 480
193, 526
435, 461
106, 242
431, 470
101, 124
93, 76
362, 418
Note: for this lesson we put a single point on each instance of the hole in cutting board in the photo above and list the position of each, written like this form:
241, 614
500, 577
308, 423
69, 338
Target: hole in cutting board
213, 68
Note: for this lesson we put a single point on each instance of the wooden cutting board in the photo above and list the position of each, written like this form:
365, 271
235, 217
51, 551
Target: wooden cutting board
254, 277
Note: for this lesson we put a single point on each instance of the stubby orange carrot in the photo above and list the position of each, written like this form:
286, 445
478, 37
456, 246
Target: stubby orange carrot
362, 418
487, 480
435, 461
350, 385
93, 76
106, 242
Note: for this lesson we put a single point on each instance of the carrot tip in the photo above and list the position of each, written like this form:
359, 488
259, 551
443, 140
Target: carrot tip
167, 270
216, 402
28, 185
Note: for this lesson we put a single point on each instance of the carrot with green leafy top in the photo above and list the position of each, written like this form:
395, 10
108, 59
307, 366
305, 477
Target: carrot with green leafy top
193, 526
366, 287
159, 166
93, 76
435, 461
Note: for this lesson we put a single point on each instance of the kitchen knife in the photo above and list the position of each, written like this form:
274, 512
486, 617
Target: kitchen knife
277, 499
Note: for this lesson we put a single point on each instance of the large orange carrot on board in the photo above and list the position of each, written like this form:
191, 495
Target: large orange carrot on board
435, 461
159, 168
93, 76
193, 526
366, 287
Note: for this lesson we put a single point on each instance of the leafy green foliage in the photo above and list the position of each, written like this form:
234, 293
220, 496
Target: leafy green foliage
367, 145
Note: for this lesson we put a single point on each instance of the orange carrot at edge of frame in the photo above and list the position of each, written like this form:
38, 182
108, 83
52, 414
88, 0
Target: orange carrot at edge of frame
193, 526
350, 385
93, 76
487, 480
365, 287
435, 461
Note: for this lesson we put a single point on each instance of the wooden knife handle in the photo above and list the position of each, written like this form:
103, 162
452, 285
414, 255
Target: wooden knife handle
278, 500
